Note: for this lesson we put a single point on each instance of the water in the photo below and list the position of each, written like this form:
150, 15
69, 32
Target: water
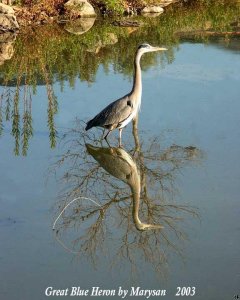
184, 152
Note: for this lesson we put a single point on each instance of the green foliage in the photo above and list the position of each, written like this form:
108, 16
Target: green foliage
115, 6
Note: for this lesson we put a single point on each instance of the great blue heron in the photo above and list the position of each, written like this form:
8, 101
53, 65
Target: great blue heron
120, 112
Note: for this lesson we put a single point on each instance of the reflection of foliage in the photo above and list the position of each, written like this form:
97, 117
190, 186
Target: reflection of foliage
47, 54
27, 130
158, 167
25, 87
52, 108
68, 56
15, 121
84, 177
21, 126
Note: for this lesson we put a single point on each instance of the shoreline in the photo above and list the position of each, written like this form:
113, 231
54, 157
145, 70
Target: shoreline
55, 11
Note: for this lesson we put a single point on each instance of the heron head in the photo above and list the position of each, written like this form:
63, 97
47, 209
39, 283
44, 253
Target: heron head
143, 48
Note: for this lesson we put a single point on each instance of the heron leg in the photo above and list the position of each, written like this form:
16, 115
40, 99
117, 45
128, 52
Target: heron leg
105, 138
103, 134
120, 137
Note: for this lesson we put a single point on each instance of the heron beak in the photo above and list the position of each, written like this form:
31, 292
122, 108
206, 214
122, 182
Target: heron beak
159, 49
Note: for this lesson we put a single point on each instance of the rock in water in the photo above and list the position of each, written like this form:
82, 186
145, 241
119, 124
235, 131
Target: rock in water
8, 21
164, 3
79, 8
152, 9
80, 26
6, 46
6, 9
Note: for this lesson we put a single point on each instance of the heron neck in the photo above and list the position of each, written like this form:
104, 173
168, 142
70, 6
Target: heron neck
135, 186
135, 189
135, 211
137, 82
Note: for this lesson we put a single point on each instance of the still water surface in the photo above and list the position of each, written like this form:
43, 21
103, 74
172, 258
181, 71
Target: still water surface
179, 164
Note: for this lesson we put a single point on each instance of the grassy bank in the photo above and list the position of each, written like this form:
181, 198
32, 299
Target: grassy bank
47, 11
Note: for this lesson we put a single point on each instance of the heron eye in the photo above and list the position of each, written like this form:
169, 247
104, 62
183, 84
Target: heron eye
143, 46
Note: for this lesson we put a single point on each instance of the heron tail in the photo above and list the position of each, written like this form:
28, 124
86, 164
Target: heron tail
89, 125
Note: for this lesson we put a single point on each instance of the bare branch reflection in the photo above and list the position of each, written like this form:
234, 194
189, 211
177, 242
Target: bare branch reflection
130, 186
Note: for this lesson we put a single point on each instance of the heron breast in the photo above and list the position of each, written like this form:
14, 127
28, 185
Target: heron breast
126, 121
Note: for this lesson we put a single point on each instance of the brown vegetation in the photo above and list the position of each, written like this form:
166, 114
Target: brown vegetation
46, 11
39, 13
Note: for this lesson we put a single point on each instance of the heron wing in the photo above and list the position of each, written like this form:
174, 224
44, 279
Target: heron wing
114, 114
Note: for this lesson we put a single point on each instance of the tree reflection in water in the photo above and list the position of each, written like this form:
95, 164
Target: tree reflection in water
115, 226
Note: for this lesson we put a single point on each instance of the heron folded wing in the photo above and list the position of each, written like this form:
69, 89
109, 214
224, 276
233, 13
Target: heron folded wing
114, 113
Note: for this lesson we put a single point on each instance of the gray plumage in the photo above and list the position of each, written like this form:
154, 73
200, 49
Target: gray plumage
120, 112
113, 115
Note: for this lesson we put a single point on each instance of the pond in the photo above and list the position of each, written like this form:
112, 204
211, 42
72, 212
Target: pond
159, 213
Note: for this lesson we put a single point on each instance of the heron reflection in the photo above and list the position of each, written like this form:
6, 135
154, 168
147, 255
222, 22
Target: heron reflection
122, 217
120, 164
